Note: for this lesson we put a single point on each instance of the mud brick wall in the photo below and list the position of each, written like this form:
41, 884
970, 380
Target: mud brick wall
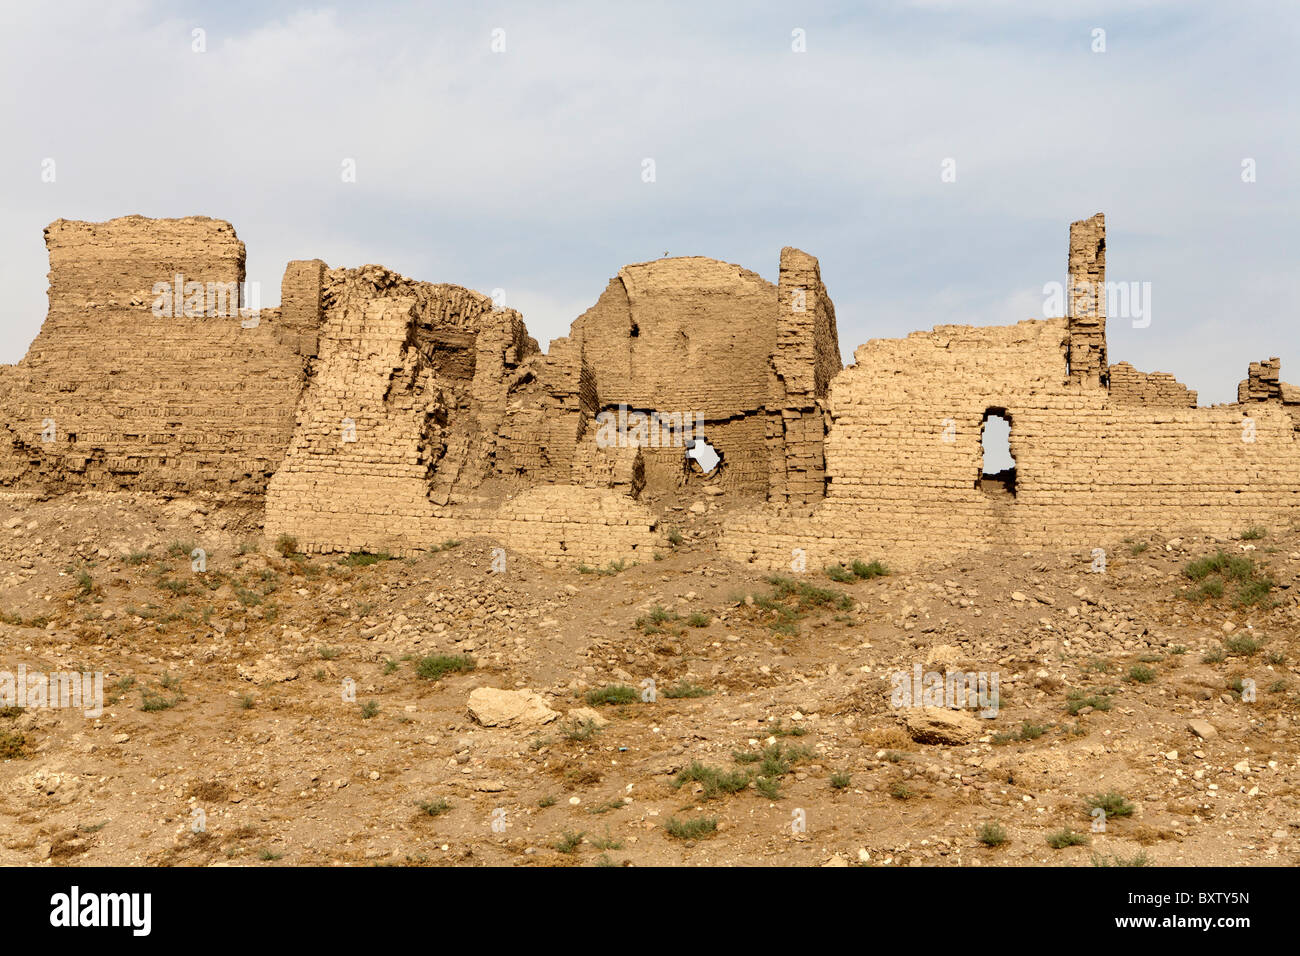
154, 402
1128, 386
689, 335
463, 427
1262, 382
380, 378
1086, 300
804, 361
545, 423
1089, 471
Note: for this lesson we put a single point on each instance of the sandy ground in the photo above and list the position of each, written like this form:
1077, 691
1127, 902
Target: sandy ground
228, 735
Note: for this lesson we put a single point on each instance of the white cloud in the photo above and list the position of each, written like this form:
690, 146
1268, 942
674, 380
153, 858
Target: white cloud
522, 169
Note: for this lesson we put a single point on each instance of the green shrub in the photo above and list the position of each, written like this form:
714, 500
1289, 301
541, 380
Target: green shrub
437, 666
1141, 674
434, 808
1063, 838
612, 694
1113, 804
690, 829
714, 780
866, 571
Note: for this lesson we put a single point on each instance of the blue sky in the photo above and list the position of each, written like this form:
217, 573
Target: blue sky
522, 170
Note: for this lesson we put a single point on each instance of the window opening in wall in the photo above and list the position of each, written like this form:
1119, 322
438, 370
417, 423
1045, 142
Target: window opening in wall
702, 458
998, 474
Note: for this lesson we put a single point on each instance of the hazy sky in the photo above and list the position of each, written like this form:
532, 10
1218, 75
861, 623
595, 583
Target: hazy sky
523, 169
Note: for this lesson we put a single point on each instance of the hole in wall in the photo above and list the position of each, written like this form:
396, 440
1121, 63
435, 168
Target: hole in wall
998, 471
702, 458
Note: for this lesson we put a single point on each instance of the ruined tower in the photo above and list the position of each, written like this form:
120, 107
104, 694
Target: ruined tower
1085, 300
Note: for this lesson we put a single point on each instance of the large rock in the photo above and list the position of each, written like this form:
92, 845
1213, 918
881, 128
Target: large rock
1203, 729
933, 725
509, 708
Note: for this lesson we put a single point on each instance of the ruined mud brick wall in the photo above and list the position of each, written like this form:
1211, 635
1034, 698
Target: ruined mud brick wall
804, 361
154, 402
904, 451
687, 336
392, 423
504, 354
1263, 383
1128, 386
395, 367
547, 421
617, 468
1086, 300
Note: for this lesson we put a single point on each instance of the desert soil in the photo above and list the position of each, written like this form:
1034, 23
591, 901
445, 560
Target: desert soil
226, 738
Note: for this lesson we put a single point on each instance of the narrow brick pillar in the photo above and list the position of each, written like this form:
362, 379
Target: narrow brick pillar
1085, 300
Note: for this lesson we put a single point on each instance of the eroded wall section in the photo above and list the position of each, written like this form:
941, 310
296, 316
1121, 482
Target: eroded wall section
1100, 453
402, 425
144, 374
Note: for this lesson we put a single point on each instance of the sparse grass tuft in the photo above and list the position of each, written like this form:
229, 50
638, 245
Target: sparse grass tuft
714, 780
434, 808
1028, 731
656, 620
1141, 674
839, 574
1214, 572
791, 600
568, 841
868, 570
1114, 804
1078, 699
686, 689
1242, 645
13, 745
151, 701
1067, 837
612, 694
690, 829
992, 833
437, 666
